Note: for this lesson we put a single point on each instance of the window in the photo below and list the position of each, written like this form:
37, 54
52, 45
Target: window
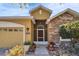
0, 29
40, 12
40, 27
5, 29
20, 30
10, 30
15, 29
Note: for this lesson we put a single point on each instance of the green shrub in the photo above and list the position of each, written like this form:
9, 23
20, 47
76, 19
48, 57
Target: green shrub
70, 30
27, 43
64, 33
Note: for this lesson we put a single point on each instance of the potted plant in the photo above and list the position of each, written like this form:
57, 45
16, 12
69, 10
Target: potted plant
26, 46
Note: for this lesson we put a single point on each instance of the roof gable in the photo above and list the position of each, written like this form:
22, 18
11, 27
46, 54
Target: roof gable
40, 7
72, 12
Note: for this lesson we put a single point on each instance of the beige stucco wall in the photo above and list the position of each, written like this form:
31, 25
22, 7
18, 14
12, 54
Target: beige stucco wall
9, 39
36, 14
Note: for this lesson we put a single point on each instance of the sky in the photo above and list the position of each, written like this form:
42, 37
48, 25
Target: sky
13, 9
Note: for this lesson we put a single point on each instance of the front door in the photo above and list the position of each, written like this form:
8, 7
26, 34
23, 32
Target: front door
40, 35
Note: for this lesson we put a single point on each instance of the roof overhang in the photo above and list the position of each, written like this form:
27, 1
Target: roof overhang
17, 18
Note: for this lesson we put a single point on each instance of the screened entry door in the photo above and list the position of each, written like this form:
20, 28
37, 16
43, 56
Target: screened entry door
40, 35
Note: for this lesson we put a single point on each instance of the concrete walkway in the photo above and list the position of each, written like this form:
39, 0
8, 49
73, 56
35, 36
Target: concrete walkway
41, 51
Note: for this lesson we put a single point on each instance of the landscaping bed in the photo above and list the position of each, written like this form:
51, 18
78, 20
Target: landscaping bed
53, 49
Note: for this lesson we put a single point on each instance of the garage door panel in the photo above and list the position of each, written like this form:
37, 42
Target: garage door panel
9, 39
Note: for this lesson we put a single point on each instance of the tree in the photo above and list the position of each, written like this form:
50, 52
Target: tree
22, 7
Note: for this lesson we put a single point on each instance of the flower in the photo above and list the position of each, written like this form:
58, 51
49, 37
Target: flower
16, 51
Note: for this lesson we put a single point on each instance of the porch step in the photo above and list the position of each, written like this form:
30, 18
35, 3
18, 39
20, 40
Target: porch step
41, 43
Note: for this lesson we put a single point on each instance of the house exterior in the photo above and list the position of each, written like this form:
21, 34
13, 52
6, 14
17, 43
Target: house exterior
38, 27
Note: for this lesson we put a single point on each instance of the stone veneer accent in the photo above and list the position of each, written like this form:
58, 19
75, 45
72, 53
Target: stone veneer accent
53, 25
